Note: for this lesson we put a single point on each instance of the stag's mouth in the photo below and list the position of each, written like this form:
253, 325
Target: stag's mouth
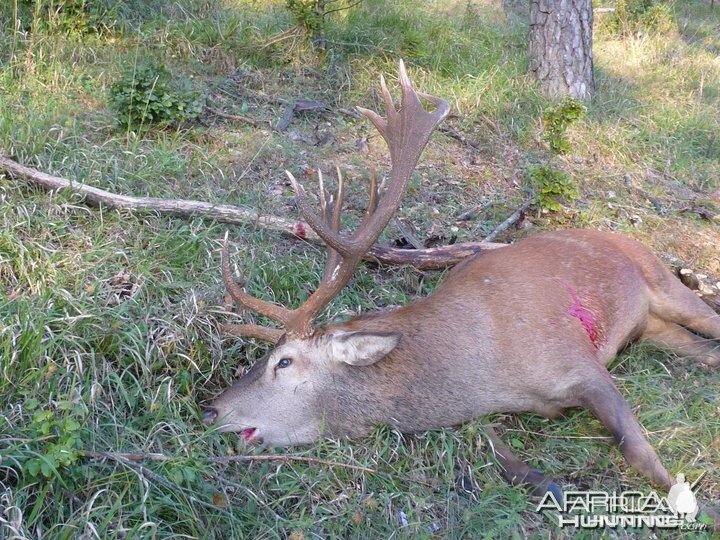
248, 434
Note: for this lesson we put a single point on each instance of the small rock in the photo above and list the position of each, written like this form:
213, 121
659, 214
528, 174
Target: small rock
689, 278
403, 519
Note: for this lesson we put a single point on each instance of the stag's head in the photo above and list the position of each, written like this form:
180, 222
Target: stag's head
284, 398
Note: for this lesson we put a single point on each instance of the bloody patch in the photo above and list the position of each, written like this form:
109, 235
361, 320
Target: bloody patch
298, 229
584, 315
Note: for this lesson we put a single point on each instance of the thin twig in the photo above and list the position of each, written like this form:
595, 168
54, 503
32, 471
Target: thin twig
282, 36
509, 221
139, 458
234, 117
342, 8
454, 134
132, 461
350, 112
470, 213
288, 458
135, 460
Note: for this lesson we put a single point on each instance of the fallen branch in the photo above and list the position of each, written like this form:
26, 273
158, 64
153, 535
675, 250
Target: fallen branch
224, 213
435, 258
422, 259
509, 221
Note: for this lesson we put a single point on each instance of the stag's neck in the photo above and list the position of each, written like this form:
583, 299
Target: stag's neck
393, 391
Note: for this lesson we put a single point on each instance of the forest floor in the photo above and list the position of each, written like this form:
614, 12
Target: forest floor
109, 335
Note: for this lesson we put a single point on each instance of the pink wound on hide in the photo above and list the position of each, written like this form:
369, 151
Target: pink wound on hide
584, 315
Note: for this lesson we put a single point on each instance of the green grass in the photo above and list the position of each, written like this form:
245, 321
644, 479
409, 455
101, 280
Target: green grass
108, 319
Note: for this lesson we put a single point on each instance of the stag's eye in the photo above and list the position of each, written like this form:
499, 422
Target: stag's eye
283, 363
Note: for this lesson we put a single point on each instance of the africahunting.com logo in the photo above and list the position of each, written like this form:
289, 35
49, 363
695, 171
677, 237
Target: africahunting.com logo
627, 509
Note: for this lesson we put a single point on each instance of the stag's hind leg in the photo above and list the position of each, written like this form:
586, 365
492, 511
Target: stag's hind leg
682, 342
604, 401
675, 303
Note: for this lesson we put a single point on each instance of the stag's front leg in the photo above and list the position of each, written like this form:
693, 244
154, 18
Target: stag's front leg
519, 473
604, 401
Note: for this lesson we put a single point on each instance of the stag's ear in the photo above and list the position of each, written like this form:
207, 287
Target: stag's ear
362, 348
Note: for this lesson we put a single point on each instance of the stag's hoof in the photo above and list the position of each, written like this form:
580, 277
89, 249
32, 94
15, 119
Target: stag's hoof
209, 416
556, 491
542, 485
548, 486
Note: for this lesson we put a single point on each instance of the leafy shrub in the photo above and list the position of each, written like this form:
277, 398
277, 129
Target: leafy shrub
632, 17
307, 13
148, 94
56, 432
553, 186
556, 121
72, 17
311, 16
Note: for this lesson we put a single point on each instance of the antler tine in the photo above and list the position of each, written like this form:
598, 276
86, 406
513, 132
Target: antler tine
265, 333
243, 299
374, 191
317, 223
372, 203
333, 257
323, 196
378, 121
337, 206
406, 132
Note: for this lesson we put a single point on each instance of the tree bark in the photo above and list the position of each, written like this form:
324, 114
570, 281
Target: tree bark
561, 47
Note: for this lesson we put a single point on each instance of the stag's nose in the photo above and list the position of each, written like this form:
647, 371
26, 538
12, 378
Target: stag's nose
209, 416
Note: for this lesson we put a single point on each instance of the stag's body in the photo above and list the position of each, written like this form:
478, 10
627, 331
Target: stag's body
491, 340
529, 327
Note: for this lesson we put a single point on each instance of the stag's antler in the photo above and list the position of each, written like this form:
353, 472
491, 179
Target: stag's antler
406, 132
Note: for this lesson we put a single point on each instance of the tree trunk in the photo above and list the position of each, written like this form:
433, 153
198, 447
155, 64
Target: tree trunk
561, 47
